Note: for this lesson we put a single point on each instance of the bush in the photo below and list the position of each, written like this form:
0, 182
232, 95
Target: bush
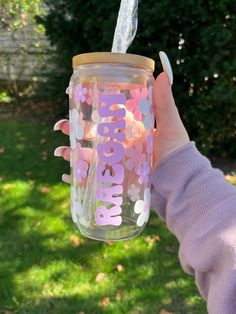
198, 36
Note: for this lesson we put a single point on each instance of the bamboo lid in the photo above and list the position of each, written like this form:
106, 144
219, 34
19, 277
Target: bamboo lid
112, 57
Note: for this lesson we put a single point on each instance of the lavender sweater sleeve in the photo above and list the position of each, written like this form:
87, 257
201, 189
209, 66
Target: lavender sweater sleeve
199, 207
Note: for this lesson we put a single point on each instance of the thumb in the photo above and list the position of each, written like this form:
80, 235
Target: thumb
170, 133
166, 112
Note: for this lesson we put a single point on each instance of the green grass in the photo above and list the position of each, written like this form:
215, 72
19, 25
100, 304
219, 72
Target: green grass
43, 270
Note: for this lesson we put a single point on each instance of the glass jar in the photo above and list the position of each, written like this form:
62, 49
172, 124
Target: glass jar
111, 136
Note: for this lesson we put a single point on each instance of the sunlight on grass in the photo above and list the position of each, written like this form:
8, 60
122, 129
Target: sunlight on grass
47, 267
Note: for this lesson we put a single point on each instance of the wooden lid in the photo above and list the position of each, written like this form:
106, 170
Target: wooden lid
112, 57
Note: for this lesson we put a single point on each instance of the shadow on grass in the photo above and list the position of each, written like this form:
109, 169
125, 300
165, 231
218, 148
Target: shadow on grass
41, 271
152, 278
28, 152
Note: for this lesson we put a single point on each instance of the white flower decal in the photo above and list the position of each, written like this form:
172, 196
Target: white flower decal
76, 207
95, 116
77, 126
133, 192
69, 90
96, 119
142, 207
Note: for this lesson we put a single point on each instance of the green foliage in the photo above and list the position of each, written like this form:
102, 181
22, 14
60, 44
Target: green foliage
24, 48
198, 36
15, 14
4, 97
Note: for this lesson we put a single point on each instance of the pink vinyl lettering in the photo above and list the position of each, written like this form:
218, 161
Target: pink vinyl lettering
109, 216
107, 101
114, 175
111, 129
110, 153
109, 194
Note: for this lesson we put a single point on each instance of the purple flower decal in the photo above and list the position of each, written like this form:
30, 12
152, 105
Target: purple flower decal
150, 143
80, 93
81, 170
135, 155
80, 166
143, 173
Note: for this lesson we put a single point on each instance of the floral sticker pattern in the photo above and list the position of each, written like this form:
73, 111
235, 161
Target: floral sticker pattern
92, 96
76, 125
95, 118
76, 207
80, 166
143, 173
131, 130
69, 90
135, 156
133, 103
82, 169
142, 208
80, 93
145, 106
133, 192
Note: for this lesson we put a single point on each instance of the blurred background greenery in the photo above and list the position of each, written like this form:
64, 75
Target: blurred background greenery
45, 265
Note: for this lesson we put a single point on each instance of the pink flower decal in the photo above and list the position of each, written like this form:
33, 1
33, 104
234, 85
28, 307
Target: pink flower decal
143, 173
92, 95
80, 166
80, 93
81, 169
133, 103
135, 155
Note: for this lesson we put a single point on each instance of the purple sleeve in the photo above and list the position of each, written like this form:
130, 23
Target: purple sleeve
199, 207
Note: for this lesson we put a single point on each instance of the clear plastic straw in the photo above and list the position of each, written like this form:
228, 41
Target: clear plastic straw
126, 25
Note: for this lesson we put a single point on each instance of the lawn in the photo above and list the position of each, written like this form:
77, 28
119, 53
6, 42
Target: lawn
47, 267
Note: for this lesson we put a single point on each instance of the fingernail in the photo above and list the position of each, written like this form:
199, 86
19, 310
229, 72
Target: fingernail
66, 178
166, 66
57, 126
58, 152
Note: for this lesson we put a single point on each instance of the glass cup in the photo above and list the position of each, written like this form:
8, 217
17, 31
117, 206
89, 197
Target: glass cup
111, 137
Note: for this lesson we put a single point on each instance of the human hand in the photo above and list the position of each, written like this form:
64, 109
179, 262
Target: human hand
170, 134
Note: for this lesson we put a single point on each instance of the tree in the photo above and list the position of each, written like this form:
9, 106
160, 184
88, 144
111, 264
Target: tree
198, 36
